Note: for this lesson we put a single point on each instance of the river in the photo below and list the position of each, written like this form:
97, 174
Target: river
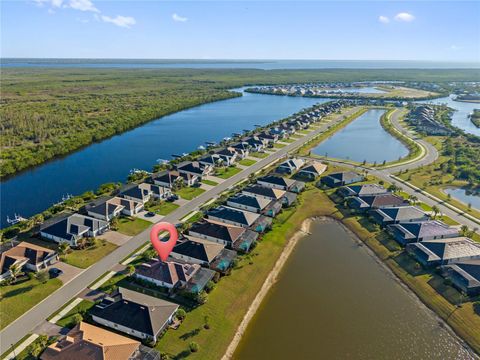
363, 139
334, 300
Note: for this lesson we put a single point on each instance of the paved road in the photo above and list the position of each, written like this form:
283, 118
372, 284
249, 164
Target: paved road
35, 316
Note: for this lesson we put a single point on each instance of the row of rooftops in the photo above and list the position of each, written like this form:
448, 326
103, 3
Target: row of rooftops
423, 117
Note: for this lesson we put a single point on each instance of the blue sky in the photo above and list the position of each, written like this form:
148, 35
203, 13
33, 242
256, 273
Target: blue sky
354, 30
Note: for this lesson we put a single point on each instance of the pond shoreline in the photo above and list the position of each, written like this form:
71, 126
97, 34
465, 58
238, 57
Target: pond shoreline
290, 246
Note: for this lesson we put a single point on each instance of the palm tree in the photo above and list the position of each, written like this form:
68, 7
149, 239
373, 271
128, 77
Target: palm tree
413, 199
435, 210
464, 230
15, 271
63, 248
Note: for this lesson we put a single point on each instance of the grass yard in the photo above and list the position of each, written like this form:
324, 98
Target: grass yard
188, 193
447, 220
303, 132
81, 308
132, 226
260, 155
424, 207
210, 182
164, 208
225, 173
278, 145
289, 140
247, 162
19, 298
86, 257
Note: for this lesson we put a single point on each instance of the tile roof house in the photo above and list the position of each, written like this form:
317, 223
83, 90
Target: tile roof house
89, 342
290, 166
135, 314
26, 256
233, 237
362, 190
376, 201
264, 192
110, 208
237, 217
312, 171
204, 252
394, 215
465, 276
341, 178
72, 228
421, 231
444, 251
282, 183
174, 274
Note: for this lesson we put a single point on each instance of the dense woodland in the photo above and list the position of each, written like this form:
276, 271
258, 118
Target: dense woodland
50, 112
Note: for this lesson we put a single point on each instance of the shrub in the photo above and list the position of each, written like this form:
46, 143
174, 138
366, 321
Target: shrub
193, 346
181, 314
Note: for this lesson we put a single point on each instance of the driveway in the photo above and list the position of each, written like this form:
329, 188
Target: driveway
153, 219
115, 237
69, 271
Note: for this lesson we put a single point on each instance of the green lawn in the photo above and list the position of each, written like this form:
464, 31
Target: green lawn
279, 146
289, 140
188, 193
82, 308
447, 220
259, 155
164, 208
86, 257
425, 207
209, 182
132, 226
303, 132
225, 173
247, 162
19, 298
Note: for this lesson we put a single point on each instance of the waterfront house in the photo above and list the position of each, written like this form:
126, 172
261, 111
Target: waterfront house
228, 155
444, 251
398, 214
362, 190
210, 160
242, 149
376, 201
290, 166
107, 209
312, 171
341, 178
136, 314
72, 228
282, 183
175, 275
89, 342
421, 231
143, 192
26, 256
203, 252
268, 137
255, 204
465, 276
242, 218
255, 143
233, 237
194, 168
173, 178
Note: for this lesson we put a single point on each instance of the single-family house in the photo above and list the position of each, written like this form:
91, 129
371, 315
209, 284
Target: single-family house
376, 201
136, 314
255, 143
107, 209
194, 168
255, 204
233, 237
203, 252
444, 251
362, 190
268, 137
228, 155
26, 256
290, 166
143, 192
465, 276
89, 342
72, 228
282, 183
312, 171
421, 231
210, 160
242, 218
398, 214
175, 275
242, 149
341, 178
264, 192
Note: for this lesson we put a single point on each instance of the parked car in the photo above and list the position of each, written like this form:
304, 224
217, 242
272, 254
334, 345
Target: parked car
55, 272
172, 197
150, 214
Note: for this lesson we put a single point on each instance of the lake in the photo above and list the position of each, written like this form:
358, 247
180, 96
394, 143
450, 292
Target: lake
361, 90
334, 300
363, 139
464, 196
34, 190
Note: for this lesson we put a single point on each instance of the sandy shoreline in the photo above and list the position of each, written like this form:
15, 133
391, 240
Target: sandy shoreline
269, 281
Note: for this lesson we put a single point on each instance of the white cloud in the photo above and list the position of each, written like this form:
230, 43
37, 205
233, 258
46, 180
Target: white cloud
404, 16
57, 3
122, 21
178, 18
455, 47
82, 5
383, 19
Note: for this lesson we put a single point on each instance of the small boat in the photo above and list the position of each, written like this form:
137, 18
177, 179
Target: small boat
201, 147
15, 220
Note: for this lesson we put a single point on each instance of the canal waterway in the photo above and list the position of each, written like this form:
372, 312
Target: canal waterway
111, 160
363, 139
334, 300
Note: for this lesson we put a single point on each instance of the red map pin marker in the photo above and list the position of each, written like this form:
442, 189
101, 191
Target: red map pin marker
163, 248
